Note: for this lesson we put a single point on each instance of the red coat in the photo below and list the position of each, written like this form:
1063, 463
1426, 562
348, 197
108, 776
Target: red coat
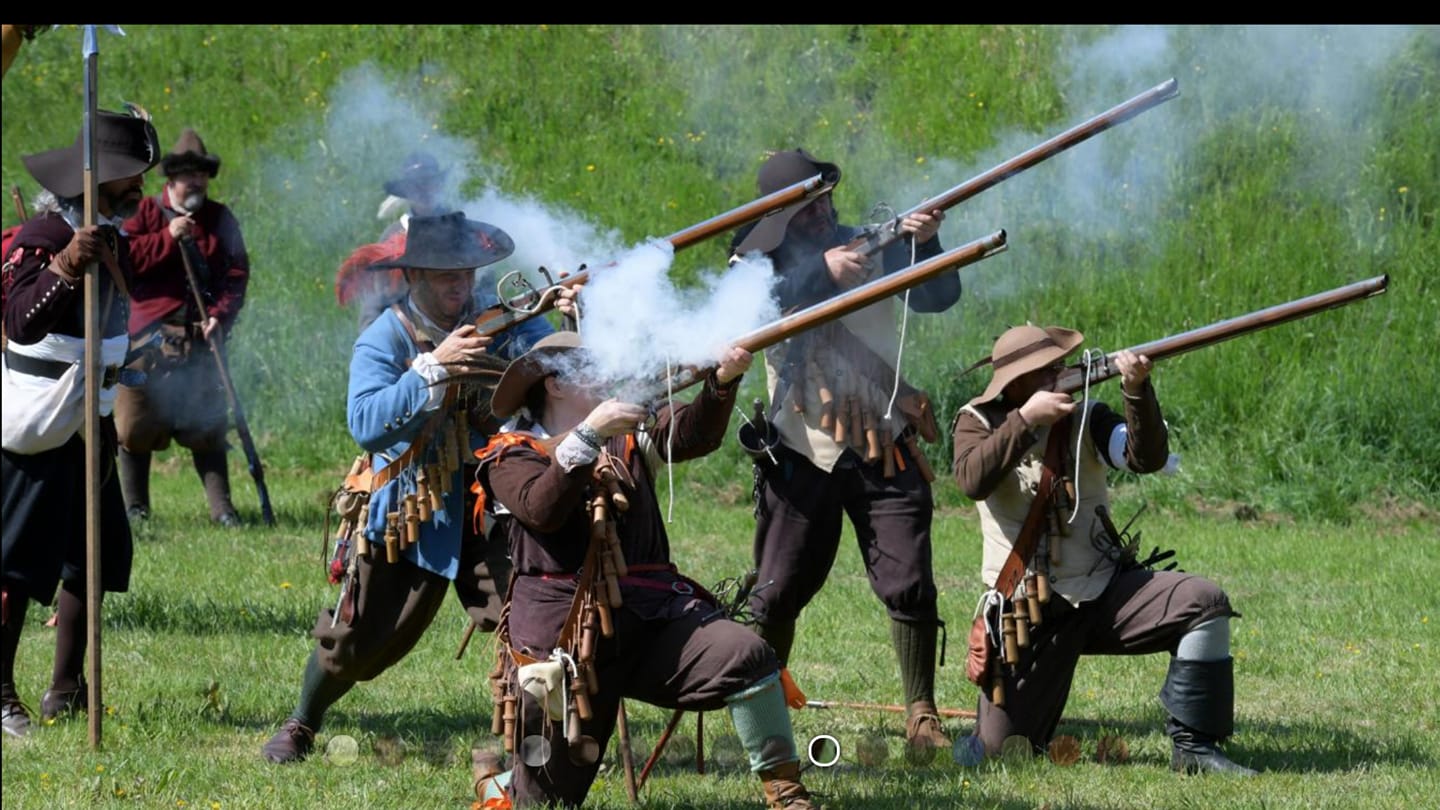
160, 286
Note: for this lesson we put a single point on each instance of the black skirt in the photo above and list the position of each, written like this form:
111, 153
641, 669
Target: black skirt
44, 520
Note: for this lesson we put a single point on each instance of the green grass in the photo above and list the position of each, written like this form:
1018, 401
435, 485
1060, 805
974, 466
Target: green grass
1295, 160
1336, 655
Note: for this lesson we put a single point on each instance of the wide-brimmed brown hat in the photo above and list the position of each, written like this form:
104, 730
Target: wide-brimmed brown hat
1022, 349
419, 170
549, 355
784, 169
189, 155
125, 145
450, 242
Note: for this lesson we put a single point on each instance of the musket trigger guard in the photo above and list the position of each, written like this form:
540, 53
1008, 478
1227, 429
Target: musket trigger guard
512, 286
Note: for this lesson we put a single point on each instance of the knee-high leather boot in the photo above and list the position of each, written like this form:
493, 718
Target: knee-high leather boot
1200, 697
135, 483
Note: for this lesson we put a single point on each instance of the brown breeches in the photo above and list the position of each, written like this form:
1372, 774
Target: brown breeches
182, 399
801, 518
668, 650
1140, 613
397, 601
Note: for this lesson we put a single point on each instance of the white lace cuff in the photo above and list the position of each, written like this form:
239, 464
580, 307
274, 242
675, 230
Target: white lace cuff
432, 372
573, 452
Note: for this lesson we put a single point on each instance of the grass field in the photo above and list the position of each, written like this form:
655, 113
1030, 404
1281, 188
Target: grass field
1295, 160
1335, 659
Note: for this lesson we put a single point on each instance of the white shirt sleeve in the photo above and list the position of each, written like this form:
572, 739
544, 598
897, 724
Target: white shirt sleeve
432, 372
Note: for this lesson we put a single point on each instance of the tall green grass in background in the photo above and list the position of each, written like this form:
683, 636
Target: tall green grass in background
1295, 160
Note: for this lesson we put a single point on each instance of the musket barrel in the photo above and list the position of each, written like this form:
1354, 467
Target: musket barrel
841, 305
1074, 378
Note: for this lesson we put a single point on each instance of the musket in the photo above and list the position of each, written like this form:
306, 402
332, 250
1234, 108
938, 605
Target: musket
190, 253
829, 310
876, 237
1089, 371
19, 201
528, 304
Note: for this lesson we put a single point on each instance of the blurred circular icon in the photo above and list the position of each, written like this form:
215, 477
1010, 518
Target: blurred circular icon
678, 753
342, 750
1112, 749
1064, 750
871, 750
823, 750
389, 750
534, 750
1016, 748
968, 751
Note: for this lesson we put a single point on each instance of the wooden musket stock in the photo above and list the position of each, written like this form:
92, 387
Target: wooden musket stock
1075, 377
524, 307
878, 236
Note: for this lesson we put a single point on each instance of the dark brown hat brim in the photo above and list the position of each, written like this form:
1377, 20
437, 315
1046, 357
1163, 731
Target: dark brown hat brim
172, 164
488, 245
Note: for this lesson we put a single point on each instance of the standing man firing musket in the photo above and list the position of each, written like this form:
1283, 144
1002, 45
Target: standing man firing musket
44, 459
183, 397
841, 450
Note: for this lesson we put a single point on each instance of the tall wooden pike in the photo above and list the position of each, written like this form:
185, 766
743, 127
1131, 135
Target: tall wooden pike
91, 53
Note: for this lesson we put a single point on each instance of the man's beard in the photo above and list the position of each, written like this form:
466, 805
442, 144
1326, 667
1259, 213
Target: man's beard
123, 206
192, 202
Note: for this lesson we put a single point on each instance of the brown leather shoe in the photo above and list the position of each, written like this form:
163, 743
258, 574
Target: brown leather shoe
54, 704
291, 743
924, 731
783, 790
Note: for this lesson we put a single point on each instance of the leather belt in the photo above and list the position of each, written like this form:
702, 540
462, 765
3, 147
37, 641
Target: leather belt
54, 369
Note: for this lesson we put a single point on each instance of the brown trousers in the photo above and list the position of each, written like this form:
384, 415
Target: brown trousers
1140, 613
182, 399
396, 602
801, 515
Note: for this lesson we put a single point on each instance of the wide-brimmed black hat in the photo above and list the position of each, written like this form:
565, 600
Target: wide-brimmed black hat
785, 169
543, 359
419, 170
450, 242
189, 155
124, 147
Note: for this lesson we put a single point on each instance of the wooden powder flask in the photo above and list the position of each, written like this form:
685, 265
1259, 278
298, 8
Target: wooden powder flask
422, 495
1022, 627
1007, 629
581, 693
362, 541
497, 695
439, 487
392, 537
1032, 599
873, 450
592, 680
589, 627
610, 480
412, 520
1041, 572
918, 457
508, 714
857, 424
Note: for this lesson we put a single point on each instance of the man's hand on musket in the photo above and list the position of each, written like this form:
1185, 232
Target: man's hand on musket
181, 227
922, 226
208, 327
735, 362
461, 348
1134, 369
86, 246
847, 268
565, 300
